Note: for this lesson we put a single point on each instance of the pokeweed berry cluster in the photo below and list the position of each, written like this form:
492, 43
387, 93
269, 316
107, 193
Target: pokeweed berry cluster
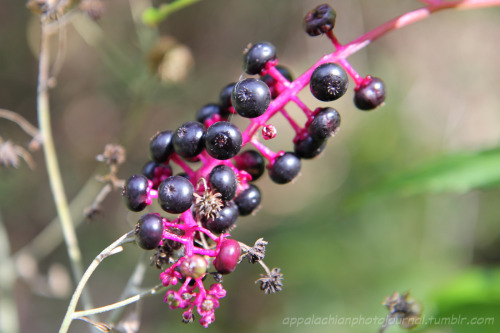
208, 201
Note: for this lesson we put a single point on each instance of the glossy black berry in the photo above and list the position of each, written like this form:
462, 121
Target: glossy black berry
274, 86
148, 169
252, 162
256, 58
207, 112
161, 146
223, 180
285, 168
223, 140
308, 147
319, 20
370, 94
225, 219
329, 82
188, 139
250, 97
175, 194
149, 231
324, 124
248, 200
135, 193
225, 99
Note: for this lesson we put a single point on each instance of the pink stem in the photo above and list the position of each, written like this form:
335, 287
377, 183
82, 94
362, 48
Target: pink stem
266, 152
303, 107
180, 162
358, 79
275, 73
292, 122
334, 39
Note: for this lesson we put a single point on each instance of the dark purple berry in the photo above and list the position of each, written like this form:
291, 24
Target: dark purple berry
225, 99
225, 262
248, 200
370, 94
148, 169
184, 175
319, 20
325, 123
308, 147
274, 86
329, 82
250, 97
252, 162
156, 172
161, 147
225, 219
256, 58
223, 140
188, 139
149, 231
175, 194
223, 180
135, 193
285, 168
207, 112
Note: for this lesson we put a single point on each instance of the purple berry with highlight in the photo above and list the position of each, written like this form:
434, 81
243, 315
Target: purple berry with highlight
329, 82
370, 94
285, 168
135, 193
149, 231
223, 140
256, 58
250, 98
175, 194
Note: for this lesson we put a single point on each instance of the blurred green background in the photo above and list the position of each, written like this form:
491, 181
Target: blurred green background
403, 199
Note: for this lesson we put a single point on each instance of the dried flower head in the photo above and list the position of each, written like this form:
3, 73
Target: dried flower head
257, 252
271, 283
113, 154
208, 204
403, 310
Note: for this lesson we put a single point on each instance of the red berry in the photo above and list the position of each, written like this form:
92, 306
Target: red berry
228, 256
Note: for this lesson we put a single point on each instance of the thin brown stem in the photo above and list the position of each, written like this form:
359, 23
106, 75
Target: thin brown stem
23, 123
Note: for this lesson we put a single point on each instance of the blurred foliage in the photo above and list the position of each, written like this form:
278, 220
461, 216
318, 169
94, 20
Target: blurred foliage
154, 16
432, 230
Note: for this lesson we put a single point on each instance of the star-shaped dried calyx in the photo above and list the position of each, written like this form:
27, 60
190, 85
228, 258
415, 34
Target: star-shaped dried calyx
208, 204
257, 252
113, 154
404, 308
271, 283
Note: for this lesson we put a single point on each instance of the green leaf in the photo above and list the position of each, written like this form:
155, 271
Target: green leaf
470, 303
153, 16
460, 172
